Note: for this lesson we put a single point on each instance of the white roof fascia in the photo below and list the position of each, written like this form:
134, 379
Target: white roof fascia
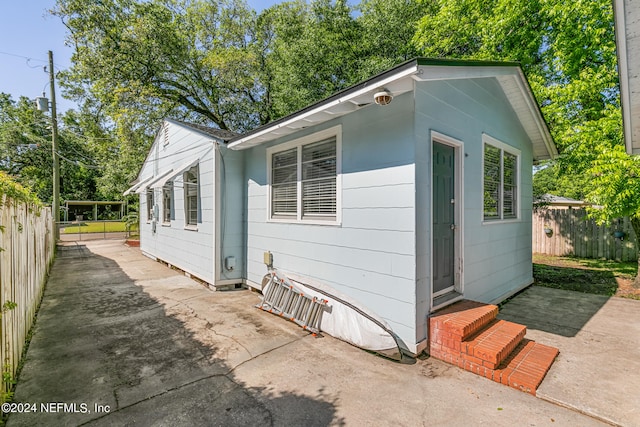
530, 100
455, 72
418, 73
247, 141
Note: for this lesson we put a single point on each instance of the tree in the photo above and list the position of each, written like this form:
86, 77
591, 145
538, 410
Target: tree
386, 31
25, 145
187, 59
553, 180
568, 51
312, 52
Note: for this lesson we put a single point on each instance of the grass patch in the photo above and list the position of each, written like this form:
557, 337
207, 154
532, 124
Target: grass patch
594, 276
96, 227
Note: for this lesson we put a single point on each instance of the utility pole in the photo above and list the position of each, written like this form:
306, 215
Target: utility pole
55, 206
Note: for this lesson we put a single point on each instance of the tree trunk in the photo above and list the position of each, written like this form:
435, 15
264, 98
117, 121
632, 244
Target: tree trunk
635, 223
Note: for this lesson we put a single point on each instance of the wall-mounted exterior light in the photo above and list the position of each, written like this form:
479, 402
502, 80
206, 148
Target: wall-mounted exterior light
383, 97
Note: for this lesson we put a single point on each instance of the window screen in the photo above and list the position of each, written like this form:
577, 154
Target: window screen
500, 183
319, 178
167, 201
284, 170
191, 196
304, 181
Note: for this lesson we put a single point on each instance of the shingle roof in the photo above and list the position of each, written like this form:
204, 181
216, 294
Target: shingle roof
224, 135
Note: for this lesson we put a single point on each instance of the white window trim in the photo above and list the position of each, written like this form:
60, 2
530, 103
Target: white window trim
167, 187
487, 139
335, 131
187, 225
150, 192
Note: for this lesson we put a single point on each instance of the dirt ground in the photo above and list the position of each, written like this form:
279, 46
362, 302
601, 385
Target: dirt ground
626, 288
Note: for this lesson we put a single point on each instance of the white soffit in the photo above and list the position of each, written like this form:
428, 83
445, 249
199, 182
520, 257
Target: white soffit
455, 72
349, 102
524, 105
509, 76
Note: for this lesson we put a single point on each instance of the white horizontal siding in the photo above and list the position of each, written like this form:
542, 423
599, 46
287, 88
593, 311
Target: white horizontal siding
189, 250
497, 257
370, 256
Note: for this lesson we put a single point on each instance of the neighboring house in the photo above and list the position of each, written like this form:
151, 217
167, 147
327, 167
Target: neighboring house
559, 202
627, 24
404, 204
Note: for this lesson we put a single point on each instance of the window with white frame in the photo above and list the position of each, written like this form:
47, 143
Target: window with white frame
167, 202
191, 196
304, 178
500, 181
150, 204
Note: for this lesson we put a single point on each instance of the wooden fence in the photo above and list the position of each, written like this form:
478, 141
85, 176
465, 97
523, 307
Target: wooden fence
27, 250
570, 233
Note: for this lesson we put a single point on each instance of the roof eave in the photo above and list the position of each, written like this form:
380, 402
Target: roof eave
338, 104
402, 79
541, 123
196, 130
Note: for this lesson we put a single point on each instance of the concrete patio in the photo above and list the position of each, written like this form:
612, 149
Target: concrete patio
132, 342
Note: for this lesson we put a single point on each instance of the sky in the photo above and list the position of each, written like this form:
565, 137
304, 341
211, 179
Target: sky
27, 33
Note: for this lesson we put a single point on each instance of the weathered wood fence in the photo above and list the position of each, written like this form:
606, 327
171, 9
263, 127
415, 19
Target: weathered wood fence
570, 233
27, 250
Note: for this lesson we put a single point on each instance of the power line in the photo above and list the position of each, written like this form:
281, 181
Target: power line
77, 162
65, 129
28, 58
23, 57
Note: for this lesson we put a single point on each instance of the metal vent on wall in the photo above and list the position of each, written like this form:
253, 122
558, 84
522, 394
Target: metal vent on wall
165, 131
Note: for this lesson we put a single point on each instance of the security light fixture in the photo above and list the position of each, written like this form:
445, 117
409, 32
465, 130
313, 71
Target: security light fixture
383, 97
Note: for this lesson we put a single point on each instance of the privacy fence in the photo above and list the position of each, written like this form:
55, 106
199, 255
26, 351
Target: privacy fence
27, 248
568, 232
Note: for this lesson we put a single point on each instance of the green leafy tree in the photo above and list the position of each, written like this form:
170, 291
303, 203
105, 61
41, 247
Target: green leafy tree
553, 180
25, 150
25, 145
386, 31
568, 51
310, 53
144, 60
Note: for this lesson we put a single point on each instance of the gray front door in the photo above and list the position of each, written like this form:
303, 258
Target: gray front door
443, 219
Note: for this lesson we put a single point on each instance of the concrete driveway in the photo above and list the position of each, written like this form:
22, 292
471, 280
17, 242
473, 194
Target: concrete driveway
123, 340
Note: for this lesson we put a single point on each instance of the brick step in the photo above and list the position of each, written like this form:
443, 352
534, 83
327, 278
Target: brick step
527, 366
468, 335
493, 344
524, 369
461, 320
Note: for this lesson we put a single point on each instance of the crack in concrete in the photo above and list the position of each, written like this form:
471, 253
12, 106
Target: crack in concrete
226, 375
267, 352
192, 312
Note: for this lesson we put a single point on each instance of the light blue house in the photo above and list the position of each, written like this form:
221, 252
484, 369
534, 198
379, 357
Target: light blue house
186, 202
406, 192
